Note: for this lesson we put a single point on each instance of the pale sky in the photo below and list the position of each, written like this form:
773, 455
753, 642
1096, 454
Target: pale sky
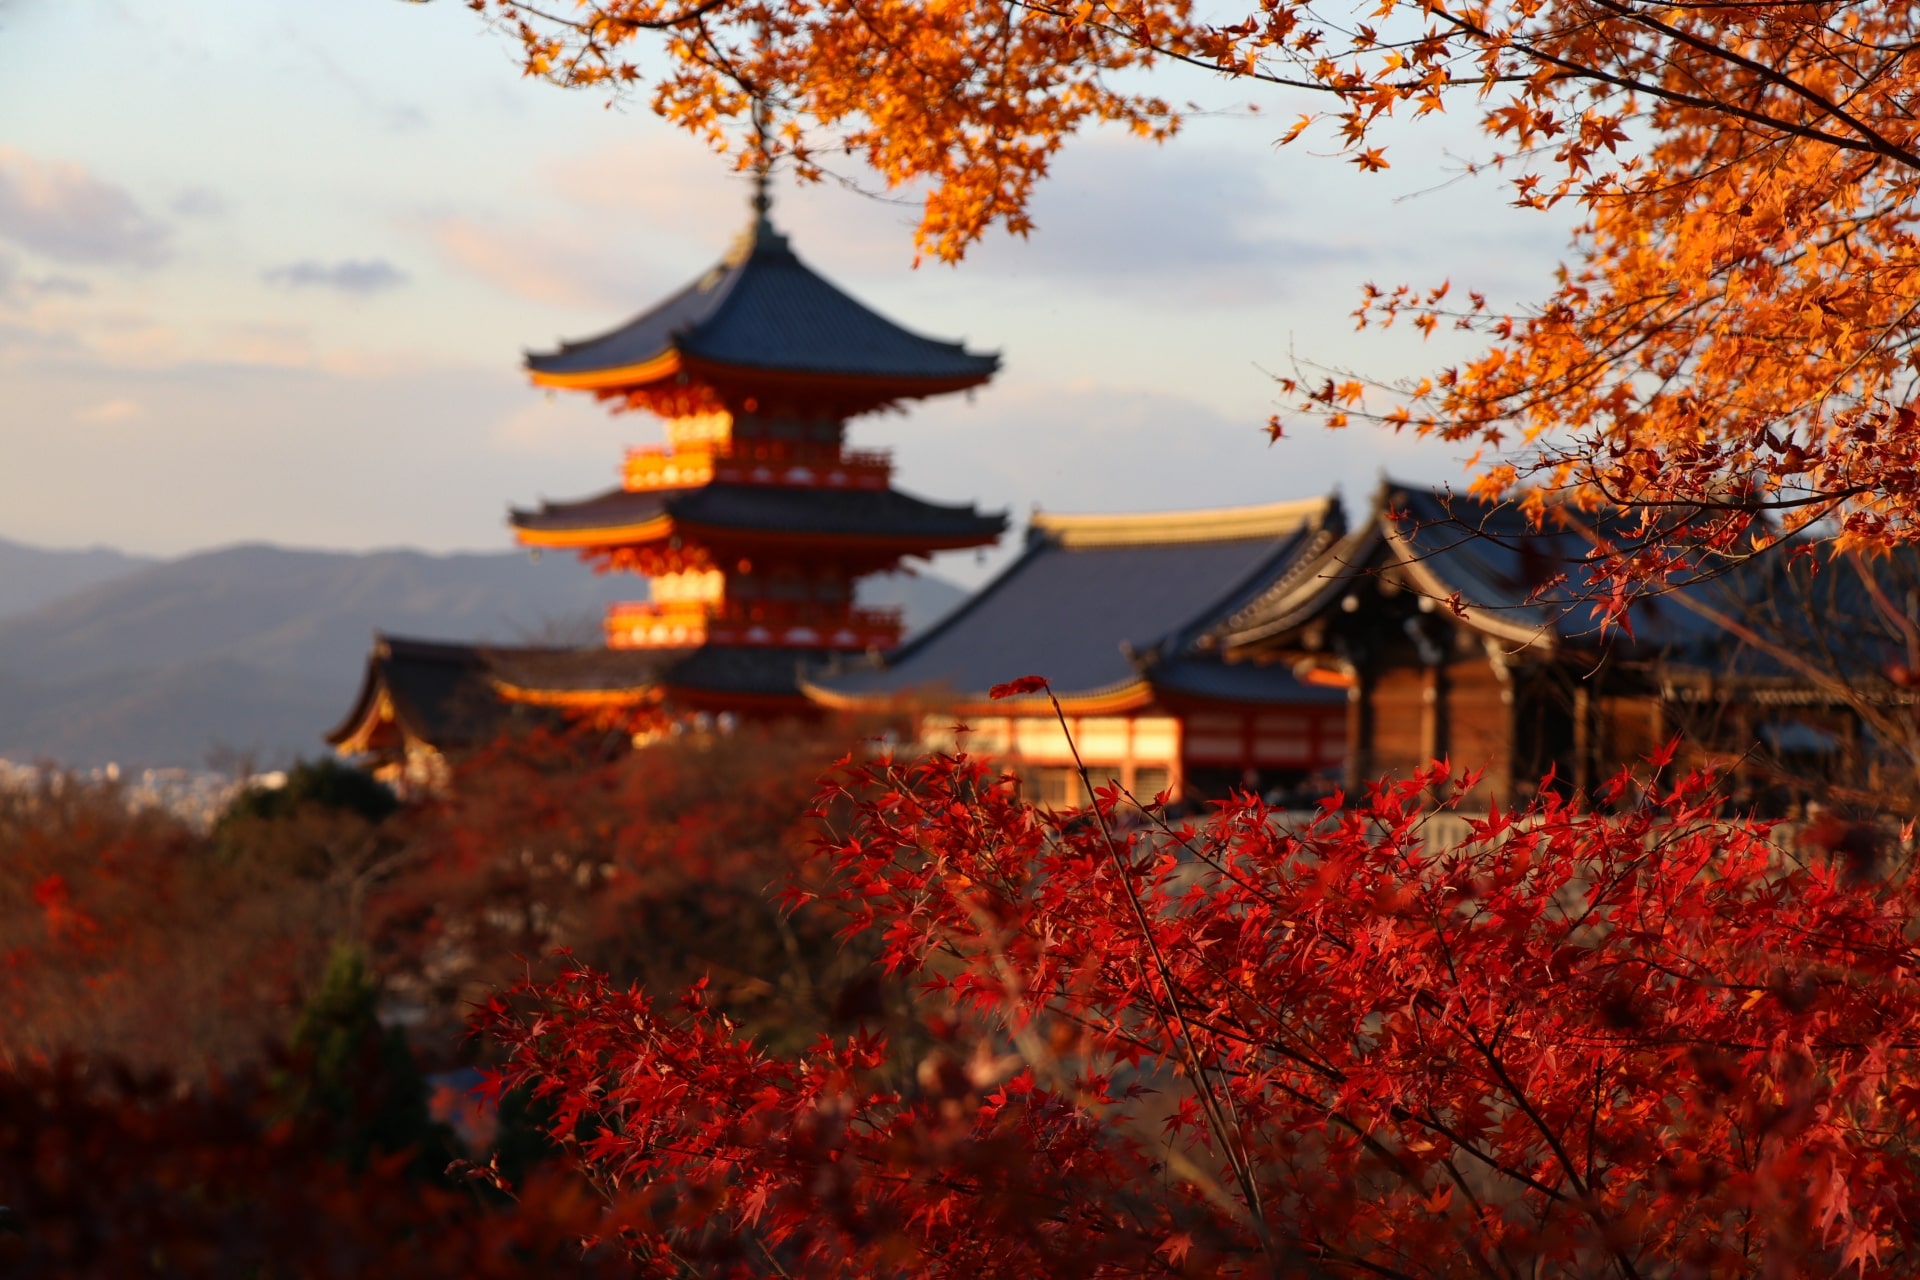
267, 268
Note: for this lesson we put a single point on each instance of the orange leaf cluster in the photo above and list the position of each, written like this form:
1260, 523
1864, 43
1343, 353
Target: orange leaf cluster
1736, 328
972, 97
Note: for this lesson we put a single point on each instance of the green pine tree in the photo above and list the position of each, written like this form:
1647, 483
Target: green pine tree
355, 1079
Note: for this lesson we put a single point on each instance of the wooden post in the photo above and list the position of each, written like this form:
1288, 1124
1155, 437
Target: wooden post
1501, 775
1509, 780
1744, 739
1583, 736
1359, 732
1434, 687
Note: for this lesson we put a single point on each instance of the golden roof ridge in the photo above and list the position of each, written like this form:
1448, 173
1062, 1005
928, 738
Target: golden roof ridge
1208, 524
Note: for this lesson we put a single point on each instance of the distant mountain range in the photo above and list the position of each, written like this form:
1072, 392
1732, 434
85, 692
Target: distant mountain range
252, 652
31, 577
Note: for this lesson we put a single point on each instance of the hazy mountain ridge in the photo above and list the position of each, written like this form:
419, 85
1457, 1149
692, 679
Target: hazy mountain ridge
257, 649
34, 576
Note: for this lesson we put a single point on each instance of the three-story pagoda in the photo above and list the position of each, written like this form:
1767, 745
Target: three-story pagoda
756, 520
753, 523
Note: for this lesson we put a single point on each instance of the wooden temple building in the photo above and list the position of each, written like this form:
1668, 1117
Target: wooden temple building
752, 524
1121, 613
1274, 648
1278, 648
1285, 650
1454, 630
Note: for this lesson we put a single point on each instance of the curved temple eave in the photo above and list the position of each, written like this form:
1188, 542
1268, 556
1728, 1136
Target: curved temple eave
618, 378
580, 539
877, 389
1134, 695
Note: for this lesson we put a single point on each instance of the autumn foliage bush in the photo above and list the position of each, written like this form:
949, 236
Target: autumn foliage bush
657, 866
125, 934
1646, 1044
112, 1174
194, 1075
915, 1026
324, 1160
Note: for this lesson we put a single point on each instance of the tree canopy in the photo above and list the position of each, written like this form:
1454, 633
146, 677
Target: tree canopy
1734, 328
1568, 1045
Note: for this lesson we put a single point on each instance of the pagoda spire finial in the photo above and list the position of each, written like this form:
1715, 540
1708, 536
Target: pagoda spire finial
760, 233
762, 193
763, 165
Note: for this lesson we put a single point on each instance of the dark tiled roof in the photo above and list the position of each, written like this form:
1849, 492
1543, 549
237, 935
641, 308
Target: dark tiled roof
440, 692
1490, 556
594, 670
852, 513
764, 309
1208, 678
752, 671
1789, 602
1094, 601
452, 696
1505, 570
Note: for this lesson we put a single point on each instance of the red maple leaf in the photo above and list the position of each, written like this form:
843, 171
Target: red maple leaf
1014, 688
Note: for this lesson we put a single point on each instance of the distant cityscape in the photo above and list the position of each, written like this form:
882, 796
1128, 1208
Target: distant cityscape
196, 797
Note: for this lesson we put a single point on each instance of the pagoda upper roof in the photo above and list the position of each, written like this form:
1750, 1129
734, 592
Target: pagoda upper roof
1110, 609
863, 515
763, 310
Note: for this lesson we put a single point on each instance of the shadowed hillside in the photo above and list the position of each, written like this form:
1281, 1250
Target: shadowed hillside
258, 649
33, 576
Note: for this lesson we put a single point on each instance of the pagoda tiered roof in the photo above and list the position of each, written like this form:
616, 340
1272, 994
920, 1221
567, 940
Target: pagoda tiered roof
1115, 611
762, 315
858, 516
755, 522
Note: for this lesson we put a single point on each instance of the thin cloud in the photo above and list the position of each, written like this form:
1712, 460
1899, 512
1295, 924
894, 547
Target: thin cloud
56, 208
110, 411
537, 264
688, 197
200, 202
360, 277
1190, 226
391, 112
1193, 227
19, 342
57, 287
553, 427
18, 289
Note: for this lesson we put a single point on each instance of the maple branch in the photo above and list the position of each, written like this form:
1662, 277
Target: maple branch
1586, 72
1876, 141
602, 17
1230, 1144
1218, 67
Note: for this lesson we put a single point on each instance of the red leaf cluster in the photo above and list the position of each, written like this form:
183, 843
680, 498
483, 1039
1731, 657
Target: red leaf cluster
1015, 688
1570, 1044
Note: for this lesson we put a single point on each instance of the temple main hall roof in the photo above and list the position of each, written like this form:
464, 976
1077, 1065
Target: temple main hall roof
763, 309
1521, 585
624, 515
1111, 610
